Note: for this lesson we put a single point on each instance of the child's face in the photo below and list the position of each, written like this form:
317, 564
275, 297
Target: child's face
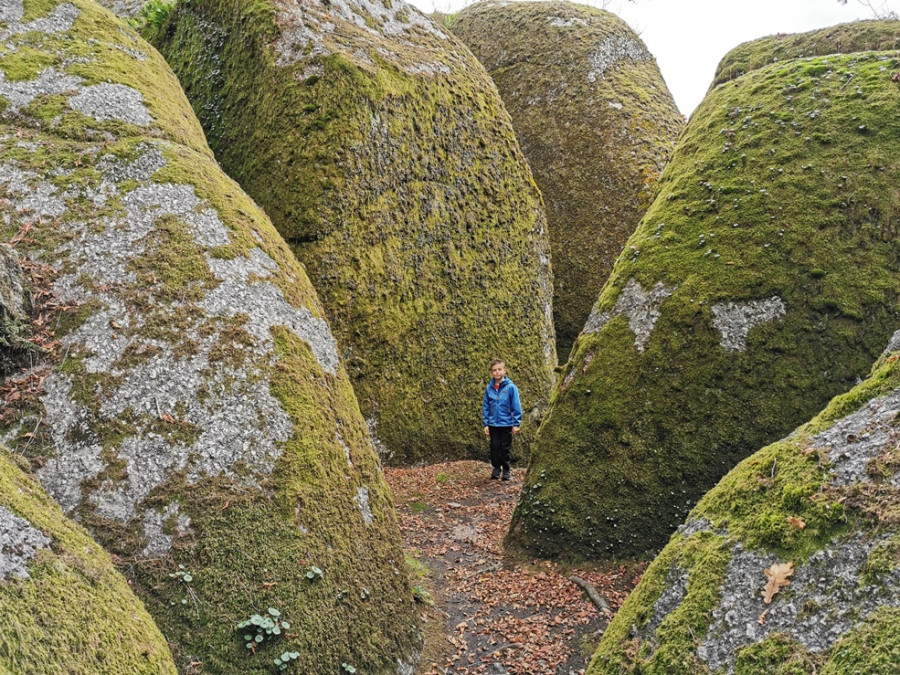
498, 371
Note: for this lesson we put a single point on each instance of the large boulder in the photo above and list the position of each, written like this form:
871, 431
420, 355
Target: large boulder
596, 122
383, 154
196, 415
762, 282
845, 38
791, 564
65, 608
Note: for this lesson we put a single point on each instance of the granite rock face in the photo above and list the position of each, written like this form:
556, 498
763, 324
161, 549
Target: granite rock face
65, 607
824, 500
383, 154
761, 283
596, 122
195, 411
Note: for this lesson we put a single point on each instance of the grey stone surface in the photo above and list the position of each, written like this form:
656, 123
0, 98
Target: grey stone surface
310, 29
855, 440
236, 420
641, 307
669, 600
362, 502
32, 195
12, 290
735, 319
825, 600
612, 50
48, 82
112, 102
19, 541
893, 343
101, 102
12, 12
158, 542
124, 8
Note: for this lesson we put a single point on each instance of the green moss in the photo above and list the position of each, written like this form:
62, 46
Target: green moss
779, 655
76, 613
751, 207
882, 560
871, 648
406, 198
257, 547
595, 142
246, 533
749, 508
185, 277
704, 557
25, 63
123, 58
846, 38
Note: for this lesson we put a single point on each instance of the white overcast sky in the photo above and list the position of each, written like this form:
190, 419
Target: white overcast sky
688, 37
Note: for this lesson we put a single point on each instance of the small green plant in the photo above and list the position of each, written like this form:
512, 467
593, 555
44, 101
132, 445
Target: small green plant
348, 668
152, 15
313, 573
258, 629
418, 507
186, 578
422, 596
182, 574
283, 661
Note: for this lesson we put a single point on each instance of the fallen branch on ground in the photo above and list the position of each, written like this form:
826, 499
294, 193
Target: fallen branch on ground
595, 597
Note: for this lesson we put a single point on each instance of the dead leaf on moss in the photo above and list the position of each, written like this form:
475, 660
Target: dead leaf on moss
778, 576
797, 521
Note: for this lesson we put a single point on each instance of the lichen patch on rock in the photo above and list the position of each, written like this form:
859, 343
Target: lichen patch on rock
734, 320
19, 541
640, 306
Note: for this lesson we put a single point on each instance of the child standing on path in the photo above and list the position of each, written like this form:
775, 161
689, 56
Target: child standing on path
501, 414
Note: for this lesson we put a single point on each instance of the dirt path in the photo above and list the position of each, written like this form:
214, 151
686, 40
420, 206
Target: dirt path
492, 614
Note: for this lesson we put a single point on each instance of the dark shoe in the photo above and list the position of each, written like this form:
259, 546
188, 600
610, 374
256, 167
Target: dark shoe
495, 474
506, 474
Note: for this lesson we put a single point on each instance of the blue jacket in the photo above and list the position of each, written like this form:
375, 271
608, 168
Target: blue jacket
501, 408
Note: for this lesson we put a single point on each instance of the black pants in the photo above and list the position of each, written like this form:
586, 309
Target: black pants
501, 441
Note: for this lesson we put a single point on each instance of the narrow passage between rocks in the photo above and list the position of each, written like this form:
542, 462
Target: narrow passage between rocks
492, 614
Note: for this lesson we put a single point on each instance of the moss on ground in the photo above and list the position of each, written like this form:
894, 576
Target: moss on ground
195, 415
74, 613
793, 478
391, 168
596, 122
845, 38
781, 194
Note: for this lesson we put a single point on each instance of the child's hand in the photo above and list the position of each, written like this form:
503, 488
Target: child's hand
487, 431
515, 430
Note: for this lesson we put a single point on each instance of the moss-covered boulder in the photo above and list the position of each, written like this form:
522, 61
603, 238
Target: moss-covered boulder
596, 122
194, 414
791, 564
381, 151
65, 608
845, 38
762, 282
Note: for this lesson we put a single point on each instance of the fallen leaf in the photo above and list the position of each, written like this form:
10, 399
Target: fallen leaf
778, 576
797, 522
762, 617
167, 418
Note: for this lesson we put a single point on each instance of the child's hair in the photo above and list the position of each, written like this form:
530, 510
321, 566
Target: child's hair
494, 362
